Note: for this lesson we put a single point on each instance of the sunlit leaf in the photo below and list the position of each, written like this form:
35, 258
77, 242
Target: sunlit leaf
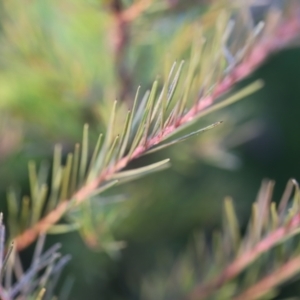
143, 170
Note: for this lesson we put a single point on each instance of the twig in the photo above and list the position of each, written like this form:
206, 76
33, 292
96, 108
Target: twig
121, 36
271, 281
121, 39
240, 263
135, 10
120, 42
286, 33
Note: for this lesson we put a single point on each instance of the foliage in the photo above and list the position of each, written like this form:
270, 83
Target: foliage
224, 50
232, 266
43, 272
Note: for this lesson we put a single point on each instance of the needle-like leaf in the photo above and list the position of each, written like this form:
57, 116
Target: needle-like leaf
183, 138
142, 171
84, 153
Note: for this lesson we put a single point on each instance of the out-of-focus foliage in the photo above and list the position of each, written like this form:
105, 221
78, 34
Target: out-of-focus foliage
227, 265
51, 60
39, 280
62, 65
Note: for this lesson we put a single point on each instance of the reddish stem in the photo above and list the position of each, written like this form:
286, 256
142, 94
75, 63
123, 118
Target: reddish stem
135, 10
240, 263
269, 282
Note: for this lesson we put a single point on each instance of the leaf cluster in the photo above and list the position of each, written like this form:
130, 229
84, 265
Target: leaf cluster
41, 277
229, 264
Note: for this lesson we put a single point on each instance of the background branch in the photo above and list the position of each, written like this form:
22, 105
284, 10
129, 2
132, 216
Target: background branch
248, 257
268, 283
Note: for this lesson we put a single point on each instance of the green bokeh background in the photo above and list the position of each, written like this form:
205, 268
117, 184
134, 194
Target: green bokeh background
57, 72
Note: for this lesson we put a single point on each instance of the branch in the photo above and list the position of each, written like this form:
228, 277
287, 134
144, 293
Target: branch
285, 33
271, 281
45, 266
121, 37
135, 10
120, 42
245, 259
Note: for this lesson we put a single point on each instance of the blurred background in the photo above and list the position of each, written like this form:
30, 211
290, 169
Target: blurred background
63, 63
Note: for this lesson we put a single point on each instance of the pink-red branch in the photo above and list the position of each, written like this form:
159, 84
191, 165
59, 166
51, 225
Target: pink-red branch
271, 281
120, 38
245, 259
131, 13
285, 33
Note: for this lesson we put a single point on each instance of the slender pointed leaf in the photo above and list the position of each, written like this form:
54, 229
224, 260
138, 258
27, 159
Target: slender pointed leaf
54, 196
111, 151
100, 161
251, 88
84, 153
6, 258
43, 173
140, 130
231, 222
41, 294
92, 173
104, 188
66, 178
174, 85
63, 228
194, 61
161, 103
123, 136
130, 126
25, 213
13, 210
56, 166
274, 216
74, 173
162, 100
150, 105
40, 201
32, 179
183, 138
2, 240
142, 171
137, 116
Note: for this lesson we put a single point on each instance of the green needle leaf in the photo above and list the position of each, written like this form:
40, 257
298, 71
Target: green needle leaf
84, 153
56, 161
183, 138
100, 161
103, 188
129, 127
91, 171
174, 85
248, 90
63, 228
231, 223
150, 109
136, 173
66, 178
74, 172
